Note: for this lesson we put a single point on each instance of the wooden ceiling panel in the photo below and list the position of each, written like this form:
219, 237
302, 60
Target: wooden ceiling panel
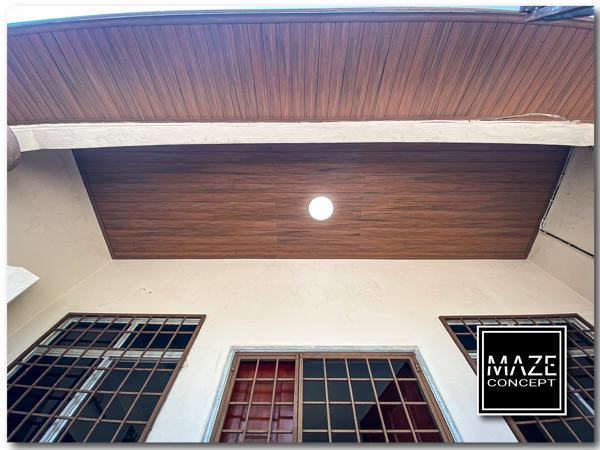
286, 66
391, 200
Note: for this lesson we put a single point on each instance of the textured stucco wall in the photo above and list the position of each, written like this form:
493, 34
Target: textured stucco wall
51, 230
571, 218
315, 303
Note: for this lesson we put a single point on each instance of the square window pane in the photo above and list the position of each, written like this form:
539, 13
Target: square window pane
180, 341
14, 394
130, 432
286, 369
380, 368
157, 382
387, 391
338, 391
402, 368
235, 417
468, 342
532, 433
161, 340
51, 376
106, 339
86, 339
258, 419
266, 369
51, 402
284, 391
142, 340
421, 417
104, 432
263, 391
119, 407
283, 418
28, 429
559, 432
72, 377
395, 417
77, 431
313, 391
30, 399
143, 408
368, 417
313, 368
30, 376
411, 391
362, 391
358, 368
135, 381
113, 380
96, 405
342, 417
314, 417
241, 391
583, 429
13, 420
336, 368
246, 369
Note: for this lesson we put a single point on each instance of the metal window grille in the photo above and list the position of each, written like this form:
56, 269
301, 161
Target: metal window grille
328, 397
97, 377
578, 425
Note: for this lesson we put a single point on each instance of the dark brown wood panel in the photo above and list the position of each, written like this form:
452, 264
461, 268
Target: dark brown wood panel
391, 201
302, 65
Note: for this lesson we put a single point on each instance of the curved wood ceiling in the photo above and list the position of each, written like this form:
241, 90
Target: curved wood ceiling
308, 65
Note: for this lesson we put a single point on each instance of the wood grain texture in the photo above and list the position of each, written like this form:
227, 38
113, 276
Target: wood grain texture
285, 66
392, 201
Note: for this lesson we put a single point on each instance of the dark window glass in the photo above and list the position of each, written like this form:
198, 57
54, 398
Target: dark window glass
77, 431
104, 432
315, 417
314, 391
338, 391
358, 368
119, 407
580, 377
313, 368
346, 398
342, 417
62, 398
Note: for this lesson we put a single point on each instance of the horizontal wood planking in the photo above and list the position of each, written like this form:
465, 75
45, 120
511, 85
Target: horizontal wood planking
300, 66
391, 200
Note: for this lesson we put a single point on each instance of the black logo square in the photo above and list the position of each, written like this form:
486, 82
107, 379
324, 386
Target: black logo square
521, 370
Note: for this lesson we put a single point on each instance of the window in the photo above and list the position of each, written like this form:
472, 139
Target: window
578, 425
97, 378
328, 397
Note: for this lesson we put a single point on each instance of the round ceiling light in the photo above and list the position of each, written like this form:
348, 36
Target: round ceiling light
320, 208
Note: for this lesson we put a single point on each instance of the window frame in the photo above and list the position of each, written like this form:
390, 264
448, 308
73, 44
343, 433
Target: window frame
131, 317
298, 357
473, 364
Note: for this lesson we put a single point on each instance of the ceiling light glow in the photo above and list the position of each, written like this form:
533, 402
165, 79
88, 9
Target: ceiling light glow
320, 208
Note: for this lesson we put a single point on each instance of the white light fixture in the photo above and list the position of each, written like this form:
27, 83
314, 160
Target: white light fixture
320, 208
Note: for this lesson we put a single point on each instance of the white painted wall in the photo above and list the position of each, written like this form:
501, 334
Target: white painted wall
52, 230
314, 302
571, 218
